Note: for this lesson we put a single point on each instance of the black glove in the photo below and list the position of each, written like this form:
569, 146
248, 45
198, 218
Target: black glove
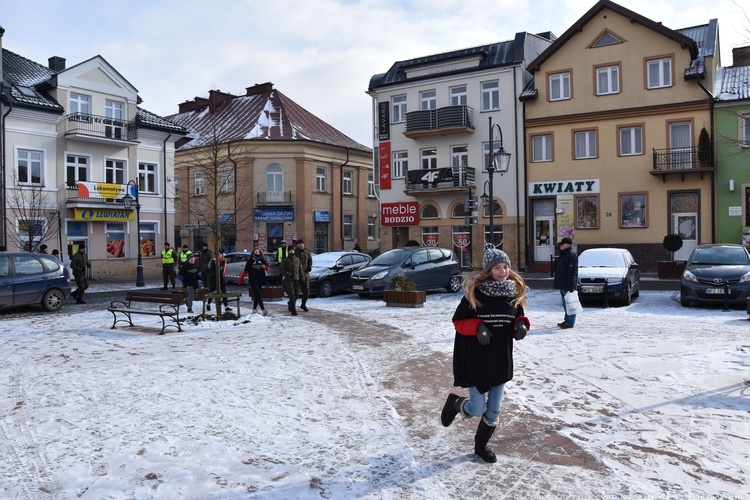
521, 331
483, 334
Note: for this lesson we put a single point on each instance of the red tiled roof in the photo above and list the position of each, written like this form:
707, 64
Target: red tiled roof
263, 115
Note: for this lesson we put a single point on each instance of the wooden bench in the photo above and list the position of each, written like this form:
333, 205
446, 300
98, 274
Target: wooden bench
169, 307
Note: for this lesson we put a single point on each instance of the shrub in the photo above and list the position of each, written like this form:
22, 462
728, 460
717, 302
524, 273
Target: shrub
400, 283
672, 242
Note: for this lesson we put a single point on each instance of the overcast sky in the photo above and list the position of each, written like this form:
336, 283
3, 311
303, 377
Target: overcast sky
320, 53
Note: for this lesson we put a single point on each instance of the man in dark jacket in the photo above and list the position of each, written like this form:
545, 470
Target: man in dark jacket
190, 275
80, 265
305, 258
206, 256
566, 277
291, 270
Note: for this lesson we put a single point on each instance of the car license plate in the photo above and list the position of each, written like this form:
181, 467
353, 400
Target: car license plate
358, 287
715, 291
592, 289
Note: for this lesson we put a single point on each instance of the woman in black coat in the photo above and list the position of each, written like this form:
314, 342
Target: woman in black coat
255, 270
488, 318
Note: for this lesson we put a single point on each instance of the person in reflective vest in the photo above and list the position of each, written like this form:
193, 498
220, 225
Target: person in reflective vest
167, 265
184, 257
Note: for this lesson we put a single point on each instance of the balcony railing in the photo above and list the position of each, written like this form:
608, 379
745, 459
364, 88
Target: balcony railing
266, 198
101, 127
439, 178
681, 160
449, 119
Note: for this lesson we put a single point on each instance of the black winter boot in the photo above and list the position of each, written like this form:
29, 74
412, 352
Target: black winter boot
484, 433
303, 306
451, 408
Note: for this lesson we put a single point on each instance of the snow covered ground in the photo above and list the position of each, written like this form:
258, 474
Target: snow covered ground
648, 401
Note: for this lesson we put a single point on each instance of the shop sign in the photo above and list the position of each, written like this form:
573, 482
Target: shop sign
101, 190
404, 213
103, 214
588, 186
384, 160
271, 214
322, 216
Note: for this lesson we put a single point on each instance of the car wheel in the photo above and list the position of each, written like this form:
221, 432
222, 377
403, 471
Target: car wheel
325, 289
628, 298
454, 284
637, 293
53, 300
684, 302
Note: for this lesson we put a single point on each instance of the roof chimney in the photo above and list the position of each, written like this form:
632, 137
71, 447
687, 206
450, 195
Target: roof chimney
56, 63
259, 88
741, 56
216, 98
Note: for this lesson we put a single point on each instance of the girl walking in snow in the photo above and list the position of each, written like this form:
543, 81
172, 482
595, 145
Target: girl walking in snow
255, 270
488, 318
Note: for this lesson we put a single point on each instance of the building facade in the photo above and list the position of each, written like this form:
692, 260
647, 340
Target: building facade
732, 112
613, 120
258, 168
435, 118
73, 139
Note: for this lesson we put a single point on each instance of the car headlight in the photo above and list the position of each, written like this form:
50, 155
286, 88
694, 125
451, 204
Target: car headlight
688, 276
745, 277
615, 281
380, 275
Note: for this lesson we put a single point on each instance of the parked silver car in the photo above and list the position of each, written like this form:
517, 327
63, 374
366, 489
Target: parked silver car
608, 270
33, 279
236, 264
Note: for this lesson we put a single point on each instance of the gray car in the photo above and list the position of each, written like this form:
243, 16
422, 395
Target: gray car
236, 264
33, 279
428, 267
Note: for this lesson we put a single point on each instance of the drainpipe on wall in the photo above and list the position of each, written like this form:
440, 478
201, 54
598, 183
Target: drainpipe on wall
164, 151
518, 196
3, 114
341, 199
234, 194
529, 257
712, 101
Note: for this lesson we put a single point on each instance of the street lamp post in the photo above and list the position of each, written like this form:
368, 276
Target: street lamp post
497, 161
127, 200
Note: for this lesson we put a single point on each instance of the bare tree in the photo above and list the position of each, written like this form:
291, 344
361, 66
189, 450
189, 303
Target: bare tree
36, 217
226, 207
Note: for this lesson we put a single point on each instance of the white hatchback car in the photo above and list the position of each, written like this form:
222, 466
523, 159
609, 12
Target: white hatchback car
610, 270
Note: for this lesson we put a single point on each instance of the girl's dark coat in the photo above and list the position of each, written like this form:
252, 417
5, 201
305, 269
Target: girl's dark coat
484, 366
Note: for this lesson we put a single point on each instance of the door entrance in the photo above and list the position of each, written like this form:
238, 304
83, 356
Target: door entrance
544, 245
686, 225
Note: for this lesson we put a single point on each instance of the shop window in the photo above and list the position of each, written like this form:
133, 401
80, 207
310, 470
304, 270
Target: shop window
430, 236
115, 232
633, 210
587, 212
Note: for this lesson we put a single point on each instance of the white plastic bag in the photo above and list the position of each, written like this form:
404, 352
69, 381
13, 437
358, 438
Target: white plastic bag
572, 303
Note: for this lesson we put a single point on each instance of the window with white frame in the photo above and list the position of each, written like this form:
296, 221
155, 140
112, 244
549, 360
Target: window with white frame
429, 212
400, 164
745, 130
199, 183
398, 106
541, 148
148, 239
147, 178
115, 233
429, 158
114, 171
348, 227
80, 106
460, 156
274, 183
30, 231
631, 141
458, 95
226, 179
320, 179
372, 224
114, 125
30, 167
559, 86
659, 72
490, 95
585, 144
607, 80
370, 185
347, 183
76, 170
428, 99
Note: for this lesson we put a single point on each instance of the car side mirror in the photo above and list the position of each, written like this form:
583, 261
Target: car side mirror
634, 266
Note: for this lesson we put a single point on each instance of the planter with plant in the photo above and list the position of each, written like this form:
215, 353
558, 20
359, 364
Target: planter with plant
704, 148
671, 268
404, 293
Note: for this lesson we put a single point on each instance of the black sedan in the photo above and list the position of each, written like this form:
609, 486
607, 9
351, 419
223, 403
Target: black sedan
715, 273
331, 271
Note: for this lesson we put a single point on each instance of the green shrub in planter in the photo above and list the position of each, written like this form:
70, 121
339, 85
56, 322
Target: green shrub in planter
672, 242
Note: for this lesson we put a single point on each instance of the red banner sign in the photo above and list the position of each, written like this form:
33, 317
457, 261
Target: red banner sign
385, 165
403, 213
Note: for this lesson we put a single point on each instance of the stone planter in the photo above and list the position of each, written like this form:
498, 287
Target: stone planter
395, 298
670, 269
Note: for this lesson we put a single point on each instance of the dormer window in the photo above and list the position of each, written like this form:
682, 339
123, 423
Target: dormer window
607, 38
